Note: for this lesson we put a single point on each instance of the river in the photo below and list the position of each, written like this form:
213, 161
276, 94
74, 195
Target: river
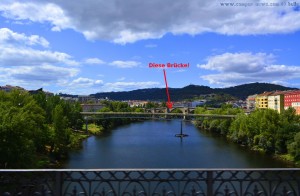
152, 144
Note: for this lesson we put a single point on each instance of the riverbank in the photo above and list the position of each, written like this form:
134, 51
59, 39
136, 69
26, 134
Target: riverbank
263, 130
50, 162
286, 158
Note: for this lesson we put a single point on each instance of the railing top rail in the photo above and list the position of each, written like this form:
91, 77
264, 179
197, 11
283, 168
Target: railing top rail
151, 169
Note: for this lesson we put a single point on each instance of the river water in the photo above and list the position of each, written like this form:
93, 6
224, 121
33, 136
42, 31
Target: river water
152, 144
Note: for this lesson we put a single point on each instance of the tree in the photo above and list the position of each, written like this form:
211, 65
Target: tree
22, 130
217, 125
294, 147
176, 111
151, 105
289, 126
61, 132
140, 110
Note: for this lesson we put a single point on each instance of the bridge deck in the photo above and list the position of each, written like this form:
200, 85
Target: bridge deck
139, 114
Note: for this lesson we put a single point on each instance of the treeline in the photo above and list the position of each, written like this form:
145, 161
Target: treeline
217, 125
263, 129
35, 128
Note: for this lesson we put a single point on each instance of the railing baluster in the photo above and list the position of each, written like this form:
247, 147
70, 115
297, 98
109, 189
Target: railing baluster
58, 183
209, 183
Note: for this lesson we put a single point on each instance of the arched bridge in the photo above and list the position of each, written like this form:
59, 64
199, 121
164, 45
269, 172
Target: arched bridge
145, 115
183, 109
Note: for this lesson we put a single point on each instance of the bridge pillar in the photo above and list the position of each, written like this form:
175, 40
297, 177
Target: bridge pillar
153, 111
185, 111
166, 110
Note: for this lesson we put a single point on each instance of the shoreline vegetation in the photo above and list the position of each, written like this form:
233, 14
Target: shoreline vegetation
37, 130
286, 158
264, 130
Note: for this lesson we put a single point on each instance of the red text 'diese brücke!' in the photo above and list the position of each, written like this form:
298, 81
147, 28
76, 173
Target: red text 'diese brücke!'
169, 65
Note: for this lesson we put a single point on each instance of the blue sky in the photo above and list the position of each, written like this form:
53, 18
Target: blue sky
84, 47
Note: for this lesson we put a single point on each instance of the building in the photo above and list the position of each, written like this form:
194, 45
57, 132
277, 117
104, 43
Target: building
296, 105
86, 99
137, 103
261, 100
292, 99
197, 103
250, 102
276, 101
238, 104
70, 99
92, 107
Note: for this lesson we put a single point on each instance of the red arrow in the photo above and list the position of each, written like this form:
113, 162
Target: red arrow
169, 103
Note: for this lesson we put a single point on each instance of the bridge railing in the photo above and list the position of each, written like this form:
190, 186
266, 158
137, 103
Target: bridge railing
139, 114
151, 182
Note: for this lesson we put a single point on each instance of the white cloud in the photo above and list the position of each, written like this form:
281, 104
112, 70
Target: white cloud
9, 37
21, 56
36, 11
44, 73
238, 62
229, 79
122, 86
89, 86
129, 21
85, 82
81, 85
283, 83
93, 61
16, 50
125, 64
23, 65
239, 68
32, 77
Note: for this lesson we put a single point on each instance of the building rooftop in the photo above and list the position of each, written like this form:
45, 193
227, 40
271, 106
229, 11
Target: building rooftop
294, 92
265, 94
278, 93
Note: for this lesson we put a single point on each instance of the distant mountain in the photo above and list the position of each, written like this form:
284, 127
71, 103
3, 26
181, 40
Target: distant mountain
244, 90
158, 94
192, 91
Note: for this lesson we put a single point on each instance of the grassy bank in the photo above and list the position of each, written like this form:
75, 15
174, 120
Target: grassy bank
94, 129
